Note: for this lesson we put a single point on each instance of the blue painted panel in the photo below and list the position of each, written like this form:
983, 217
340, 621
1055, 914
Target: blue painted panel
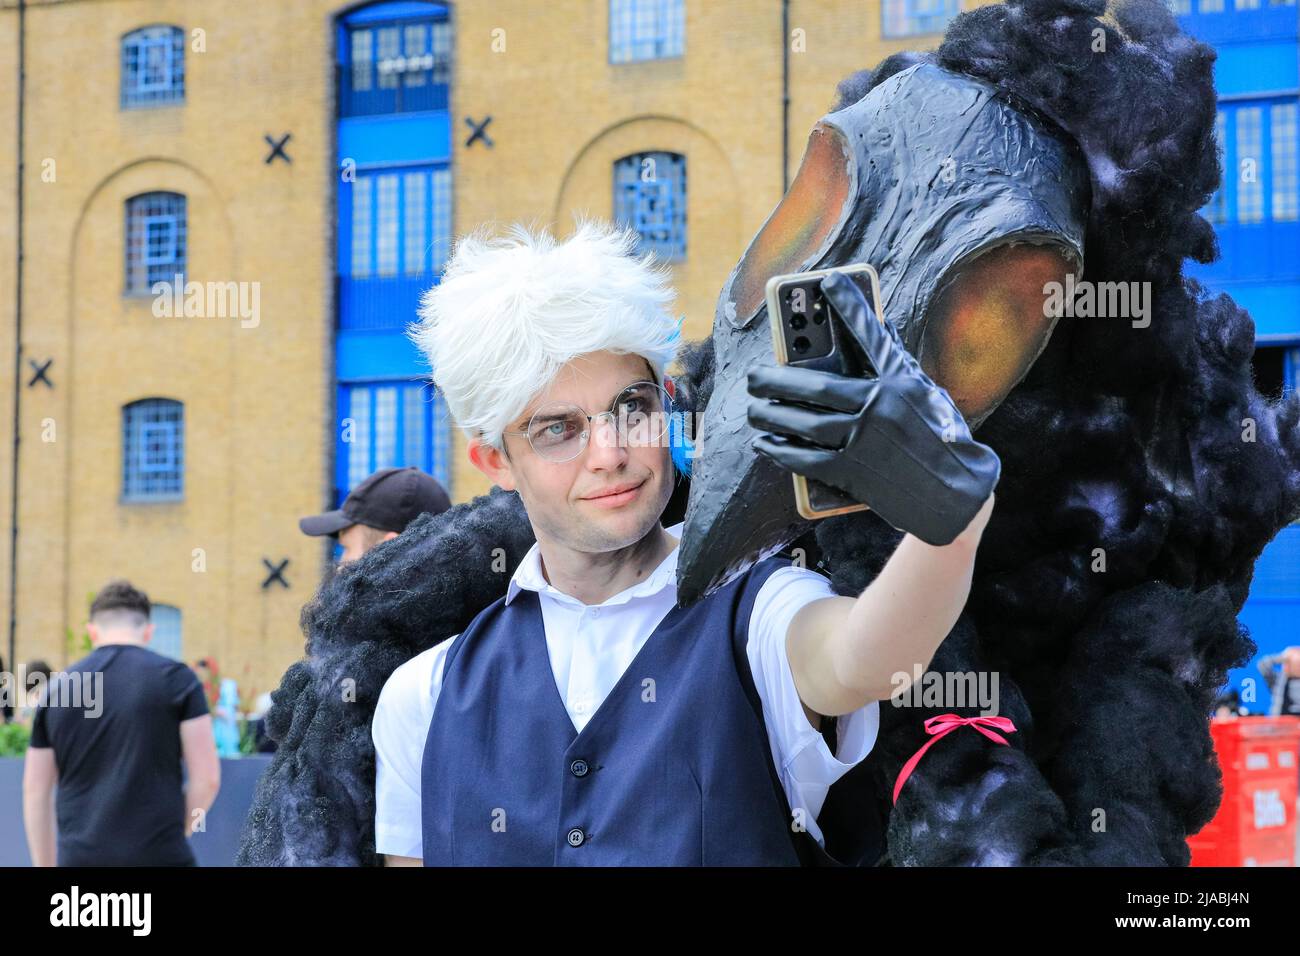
380, 303
398, 139
1269, 22
1256, 68
1259, 252
368, 355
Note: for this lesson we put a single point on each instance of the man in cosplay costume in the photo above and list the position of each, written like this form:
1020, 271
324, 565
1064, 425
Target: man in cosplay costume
586, 698
1141, 472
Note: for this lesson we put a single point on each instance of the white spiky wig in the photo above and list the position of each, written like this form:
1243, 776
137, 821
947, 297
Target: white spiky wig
510, 311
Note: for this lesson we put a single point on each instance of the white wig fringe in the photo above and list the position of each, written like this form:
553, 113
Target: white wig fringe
511, 311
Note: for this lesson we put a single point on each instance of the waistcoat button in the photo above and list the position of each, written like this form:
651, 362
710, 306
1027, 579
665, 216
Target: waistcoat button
579, 768
576, 836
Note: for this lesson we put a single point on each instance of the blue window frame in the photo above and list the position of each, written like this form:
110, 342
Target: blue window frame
1216, 210
396, 224
903, 18
646, 30
1284, 154
650, 197
155, 240
153, 450
1249, 167
401, 64
391, 424
153, 67
1259, 146
166, 621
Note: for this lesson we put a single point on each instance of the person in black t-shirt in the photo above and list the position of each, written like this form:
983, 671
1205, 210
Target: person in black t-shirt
111, 732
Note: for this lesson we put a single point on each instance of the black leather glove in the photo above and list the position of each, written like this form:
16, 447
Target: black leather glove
896, 442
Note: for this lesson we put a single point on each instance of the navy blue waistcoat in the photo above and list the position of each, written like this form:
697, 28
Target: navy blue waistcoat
673, 769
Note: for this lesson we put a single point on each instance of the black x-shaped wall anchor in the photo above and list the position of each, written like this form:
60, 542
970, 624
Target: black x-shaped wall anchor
479, 131
40, 370
276, 573
277, 148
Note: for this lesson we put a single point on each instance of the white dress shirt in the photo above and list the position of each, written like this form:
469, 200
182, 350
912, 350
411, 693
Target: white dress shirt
590, 647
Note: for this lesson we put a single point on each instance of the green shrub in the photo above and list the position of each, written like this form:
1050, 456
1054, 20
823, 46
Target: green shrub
13, 740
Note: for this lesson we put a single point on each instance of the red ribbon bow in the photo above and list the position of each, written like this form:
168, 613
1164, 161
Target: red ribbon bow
946, 724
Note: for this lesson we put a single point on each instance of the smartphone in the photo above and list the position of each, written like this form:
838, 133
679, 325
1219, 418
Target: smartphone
806, 333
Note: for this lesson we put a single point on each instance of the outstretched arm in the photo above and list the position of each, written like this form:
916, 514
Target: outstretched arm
845, 652
896, 442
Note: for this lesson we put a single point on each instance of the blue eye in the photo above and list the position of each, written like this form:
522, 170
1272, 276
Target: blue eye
556, 432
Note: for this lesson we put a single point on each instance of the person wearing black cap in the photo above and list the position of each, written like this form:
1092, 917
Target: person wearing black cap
378, 510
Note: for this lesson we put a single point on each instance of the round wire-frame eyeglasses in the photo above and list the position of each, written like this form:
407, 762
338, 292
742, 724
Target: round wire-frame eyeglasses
559, 431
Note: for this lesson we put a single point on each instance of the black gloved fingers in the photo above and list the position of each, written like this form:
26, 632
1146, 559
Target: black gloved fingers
829, 429
793, 456
840, 393
879, 340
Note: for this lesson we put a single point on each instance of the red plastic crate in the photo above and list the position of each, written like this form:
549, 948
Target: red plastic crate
1256, 824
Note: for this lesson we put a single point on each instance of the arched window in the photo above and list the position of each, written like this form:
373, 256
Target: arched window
155, 240
153, 450
153, 67
650, 197
166, 621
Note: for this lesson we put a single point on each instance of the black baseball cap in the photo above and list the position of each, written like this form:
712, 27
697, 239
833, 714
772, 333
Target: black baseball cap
390, 499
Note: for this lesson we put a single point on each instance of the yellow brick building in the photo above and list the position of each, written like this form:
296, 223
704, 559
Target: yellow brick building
571, 88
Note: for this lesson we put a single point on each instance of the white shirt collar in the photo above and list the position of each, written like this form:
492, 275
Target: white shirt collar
528, 576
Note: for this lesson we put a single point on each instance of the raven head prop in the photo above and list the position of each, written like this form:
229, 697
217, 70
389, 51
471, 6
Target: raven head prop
966, 203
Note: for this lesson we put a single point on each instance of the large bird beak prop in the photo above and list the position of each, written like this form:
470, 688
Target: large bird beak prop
966, 206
